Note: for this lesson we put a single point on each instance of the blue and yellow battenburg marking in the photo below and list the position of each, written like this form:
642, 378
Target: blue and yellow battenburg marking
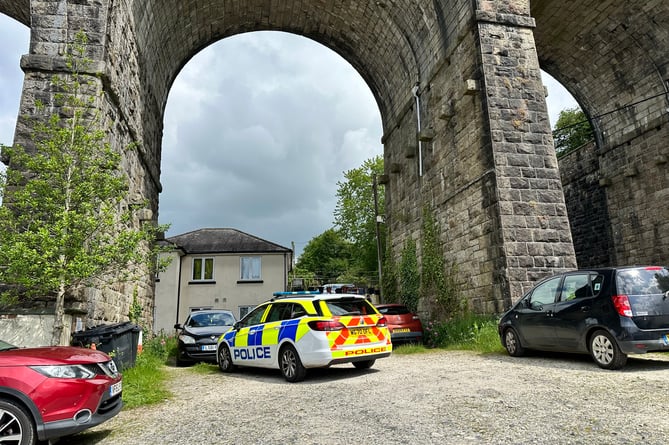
256, 344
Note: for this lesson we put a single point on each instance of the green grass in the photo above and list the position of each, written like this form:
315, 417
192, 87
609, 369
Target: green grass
145, 383
470, 332
410, 348
205, 368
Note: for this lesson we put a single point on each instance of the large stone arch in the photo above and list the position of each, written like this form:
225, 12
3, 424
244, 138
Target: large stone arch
482, 161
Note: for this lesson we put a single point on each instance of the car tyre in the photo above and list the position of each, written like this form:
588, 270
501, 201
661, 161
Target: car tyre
15, 421
291, 365
225, 359
182, 363
605, 351
512, 343
365, 364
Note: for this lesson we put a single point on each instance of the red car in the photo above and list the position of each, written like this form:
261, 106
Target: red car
51, 392
405, 326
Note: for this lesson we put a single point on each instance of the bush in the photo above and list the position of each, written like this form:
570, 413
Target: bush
161, 346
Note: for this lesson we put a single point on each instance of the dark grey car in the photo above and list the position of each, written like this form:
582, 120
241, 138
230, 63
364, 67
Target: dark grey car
607, 313
199, 335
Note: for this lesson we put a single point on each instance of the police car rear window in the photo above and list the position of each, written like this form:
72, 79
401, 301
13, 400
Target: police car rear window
353, 306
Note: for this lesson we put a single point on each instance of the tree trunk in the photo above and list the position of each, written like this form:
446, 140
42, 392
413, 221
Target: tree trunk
59, 314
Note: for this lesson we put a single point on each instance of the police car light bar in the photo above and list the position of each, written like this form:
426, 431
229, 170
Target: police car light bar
300, 292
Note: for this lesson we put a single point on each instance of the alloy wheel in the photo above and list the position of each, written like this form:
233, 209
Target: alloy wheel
602, 349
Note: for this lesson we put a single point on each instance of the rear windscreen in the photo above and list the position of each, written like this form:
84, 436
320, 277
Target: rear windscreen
394, 310
643, 281
350, 306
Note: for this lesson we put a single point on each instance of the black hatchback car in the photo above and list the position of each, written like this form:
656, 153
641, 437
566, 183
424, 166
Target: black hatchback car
199, 335
607, 313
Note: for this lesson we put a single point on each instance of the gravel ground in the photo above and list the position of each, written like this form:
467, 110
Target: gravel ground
433, 398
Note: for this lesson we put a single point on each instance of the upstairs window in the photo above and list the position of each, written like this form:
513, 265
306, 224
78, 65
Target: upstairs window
203, 269
250, 268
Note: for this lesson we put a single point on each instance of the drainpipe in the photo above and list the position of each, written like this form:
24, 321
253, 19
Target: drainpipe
416, 93
181, 257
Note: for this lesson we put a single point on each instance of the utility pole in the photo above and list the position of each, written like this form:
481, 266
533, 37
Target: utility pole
377, 219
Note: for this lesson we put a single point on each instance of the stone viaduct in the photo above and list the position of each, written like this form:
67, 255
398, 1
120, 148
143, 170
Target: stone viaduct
458, 86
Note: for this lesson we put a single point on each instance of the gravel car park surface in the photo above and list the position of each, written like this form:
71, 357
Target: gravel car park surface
432, 398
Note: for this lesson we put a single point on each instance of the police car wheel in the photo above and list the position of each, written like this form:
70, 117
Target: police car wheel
225, 359
364, 364
291, 365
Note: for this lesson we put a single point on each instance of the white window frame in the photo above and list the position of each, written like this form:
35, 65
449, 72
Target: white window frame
203, 269
245, 309
250, 275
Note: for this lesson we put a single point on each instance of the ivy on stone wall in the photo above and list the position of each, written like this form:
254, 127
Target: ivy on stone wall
438, 280
409, 276
390, 276
135, 311
434, 281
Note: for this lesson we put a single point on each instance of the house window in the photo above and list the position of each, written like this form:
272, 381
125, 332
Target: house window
243, 310
203, 269
250, 268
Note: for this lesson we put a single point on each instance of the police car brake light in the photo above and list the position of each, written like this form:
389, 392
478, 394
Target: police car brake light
382, 322
326, 325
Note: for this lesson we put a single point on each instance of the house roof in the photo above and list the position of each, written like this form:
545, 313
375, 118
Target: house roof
223, 241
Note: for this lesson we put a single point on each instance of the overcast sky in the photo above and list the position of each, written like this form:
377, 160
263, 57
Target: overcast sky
258, 130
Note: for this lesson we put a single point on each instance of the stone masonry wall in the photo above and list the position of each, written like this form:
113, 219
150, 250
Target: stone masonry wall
587, 207
535, 235
482, 160
53, 28
616, 201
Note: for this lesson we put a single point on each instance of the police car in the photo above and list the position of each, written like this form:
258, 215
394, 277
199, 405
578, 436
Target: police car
295, 331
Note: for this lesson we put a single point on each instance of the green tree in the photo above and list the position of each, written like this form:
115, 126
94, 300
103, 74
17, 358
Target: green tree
327, 256
355, 215
65, 223
572, 130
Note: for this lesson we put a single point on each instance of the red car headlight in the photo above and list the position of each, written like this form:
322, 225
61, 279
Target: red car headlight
65, 371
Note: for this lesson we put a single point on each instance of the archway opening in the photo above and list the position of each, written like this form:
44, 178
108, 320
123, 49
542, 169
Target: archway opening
258, 130
14, 42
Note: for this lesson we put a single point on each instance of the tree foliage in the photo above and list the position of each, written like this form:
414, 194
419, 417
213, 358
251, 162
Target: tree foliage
572, 130
327, 256
64, 223
355, 215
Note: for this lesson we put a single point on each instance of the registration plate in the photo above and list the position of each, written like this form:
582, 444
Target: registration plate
401, 330
665, 339
116, 388
360, 331
208, 347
